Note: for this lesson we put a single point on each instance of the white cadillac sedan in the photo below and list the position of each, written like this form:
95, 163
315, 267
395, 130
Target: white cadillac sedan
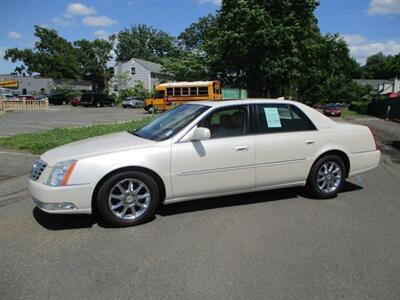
199, 150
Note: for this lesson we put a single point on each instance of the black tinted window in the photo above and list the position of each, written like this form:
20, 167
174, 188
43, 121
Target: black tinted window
282, 118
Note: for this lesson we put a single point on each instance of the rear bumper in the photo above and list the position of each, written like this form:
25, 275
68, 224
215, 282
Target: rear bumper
75, 199
363, 161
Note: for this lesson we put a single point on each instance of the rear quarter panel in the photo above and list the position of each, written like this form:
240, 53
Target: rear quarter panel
358, 143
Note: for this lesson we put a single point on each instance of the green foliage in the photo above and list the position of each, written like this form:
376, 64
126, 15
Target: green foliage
143, 42
93, 58
52, 56
55, 57
66, 90
38, 143
380, 66
360, 107
137, 90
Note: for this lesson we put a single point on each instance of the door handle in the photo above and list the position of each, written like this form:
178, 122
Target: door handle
242, 148
310, 142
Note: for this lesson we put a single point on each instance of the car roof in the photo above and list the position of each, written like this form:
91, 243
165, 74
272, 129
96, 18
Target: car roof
317, 118
243, 101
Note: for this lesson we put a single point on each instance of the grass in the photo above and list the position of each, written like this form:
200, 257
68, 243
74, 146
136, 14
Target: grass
40, 142
347, 114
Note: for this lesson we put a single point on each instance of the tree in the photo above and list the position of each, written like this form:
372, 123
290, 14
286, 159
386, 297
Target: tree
326, 70
52, 56
143, 42
197, 34
377, 66
257, 43
380, 66
93, 58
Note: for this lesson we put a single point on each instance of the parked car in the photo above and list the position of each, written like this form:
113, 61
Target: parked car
133, 102
200, 150
76, 101
319, 106
96, 99
332, 110
26, 97
58, 99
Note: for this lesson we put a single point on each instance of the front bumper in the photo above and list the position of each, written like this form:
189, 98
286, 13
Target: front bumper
74, 199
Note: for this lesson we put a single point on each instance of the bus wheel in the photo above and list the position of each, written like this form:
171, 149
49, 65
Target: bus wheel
151, 110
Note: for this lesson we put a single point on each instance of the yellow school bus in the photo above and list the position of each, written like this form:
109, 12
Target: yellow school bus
170, 94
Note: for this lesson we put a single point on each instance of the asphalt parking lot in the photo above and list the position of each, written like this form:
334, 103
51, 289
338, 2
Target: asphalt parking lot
269, 245
64, 116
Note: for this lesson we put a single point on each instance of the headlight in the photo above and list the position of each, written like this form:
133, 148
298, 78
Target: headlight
61, 172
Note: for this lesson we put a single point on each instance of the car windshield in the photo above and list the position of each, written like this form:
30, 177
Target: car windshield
170, 122
333, 106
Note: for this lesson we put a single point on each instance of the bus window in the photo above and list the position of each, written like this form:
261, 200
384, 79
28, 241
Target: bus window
159, 94
193, 91
177, 91
185, 91
170, 91
203, 90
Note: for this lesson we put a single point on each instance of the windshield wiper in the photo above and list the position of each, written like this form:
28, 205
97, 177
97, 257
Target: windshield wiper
133, 132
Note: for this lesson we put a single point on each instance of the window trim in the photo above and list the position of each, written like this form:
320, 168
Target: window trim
257, 130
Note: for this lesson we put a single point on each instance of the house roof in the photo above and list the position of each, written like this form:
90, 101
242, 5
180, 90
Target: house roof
73, 82
374, 82
152, 67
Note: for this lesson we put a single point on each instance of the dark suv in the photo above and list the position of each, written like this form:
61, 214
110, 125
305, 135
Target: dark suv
96, 99
58, 99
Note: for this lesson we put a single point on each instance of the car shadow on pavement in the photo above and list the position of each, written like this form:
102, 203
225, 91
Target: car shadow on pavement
243, 199
65, 222
62, 222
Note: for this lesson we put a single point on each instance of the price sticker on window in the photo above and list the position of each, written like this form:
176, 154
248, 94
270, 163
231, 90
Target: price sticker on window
272, 117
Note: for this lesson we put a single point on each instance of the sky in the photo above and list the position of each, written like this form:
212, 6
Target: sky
368, 26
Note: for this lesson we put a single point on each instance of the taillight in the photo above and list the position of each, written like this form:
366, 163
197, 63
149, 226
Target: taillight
374, 137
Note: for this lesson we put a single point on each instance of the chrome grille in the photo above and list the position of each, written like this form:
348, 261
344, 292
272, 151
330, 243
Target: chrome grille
37, 169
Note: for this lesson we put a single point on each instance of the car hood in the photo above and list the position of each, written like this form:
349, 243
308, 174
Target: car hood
95, 146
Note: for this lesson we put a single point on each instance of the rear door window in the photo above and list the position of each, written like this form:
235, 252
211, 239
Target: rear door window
274, 118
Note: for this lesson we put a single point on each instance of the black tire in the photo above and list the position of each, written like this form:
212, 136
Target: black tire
123, 106
98, 104
103, 204
73, 105
312, 182
112, 104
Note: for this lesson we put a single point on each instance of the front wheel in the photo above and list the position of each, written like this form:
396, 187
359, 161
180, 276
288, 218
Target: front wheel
128, 198
327, 177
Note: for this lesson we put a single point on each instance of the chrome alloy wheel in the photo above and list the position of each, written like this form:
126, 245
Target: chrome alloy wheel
129, 198
329, 177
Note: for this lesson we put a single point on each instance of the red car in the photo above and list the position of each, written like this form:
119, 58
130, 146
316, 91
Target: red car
332, 110
76, 101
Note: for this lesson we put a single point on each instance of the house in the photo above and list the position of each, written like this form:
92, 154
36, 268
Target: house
381, 86
37, 85
137, 70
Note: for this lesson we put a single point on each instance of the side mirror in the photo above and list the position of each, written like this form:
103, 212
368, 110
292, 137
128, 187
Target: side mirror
200, 133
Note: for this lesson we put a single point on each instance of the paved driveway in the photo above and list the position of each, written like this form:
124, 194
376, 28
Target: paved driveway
268, 245
64, 116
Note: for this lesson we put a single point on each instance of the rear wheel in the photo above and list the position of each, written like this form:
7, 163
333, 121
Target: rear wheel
327, 177
128, 198
151, 110
98, 104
